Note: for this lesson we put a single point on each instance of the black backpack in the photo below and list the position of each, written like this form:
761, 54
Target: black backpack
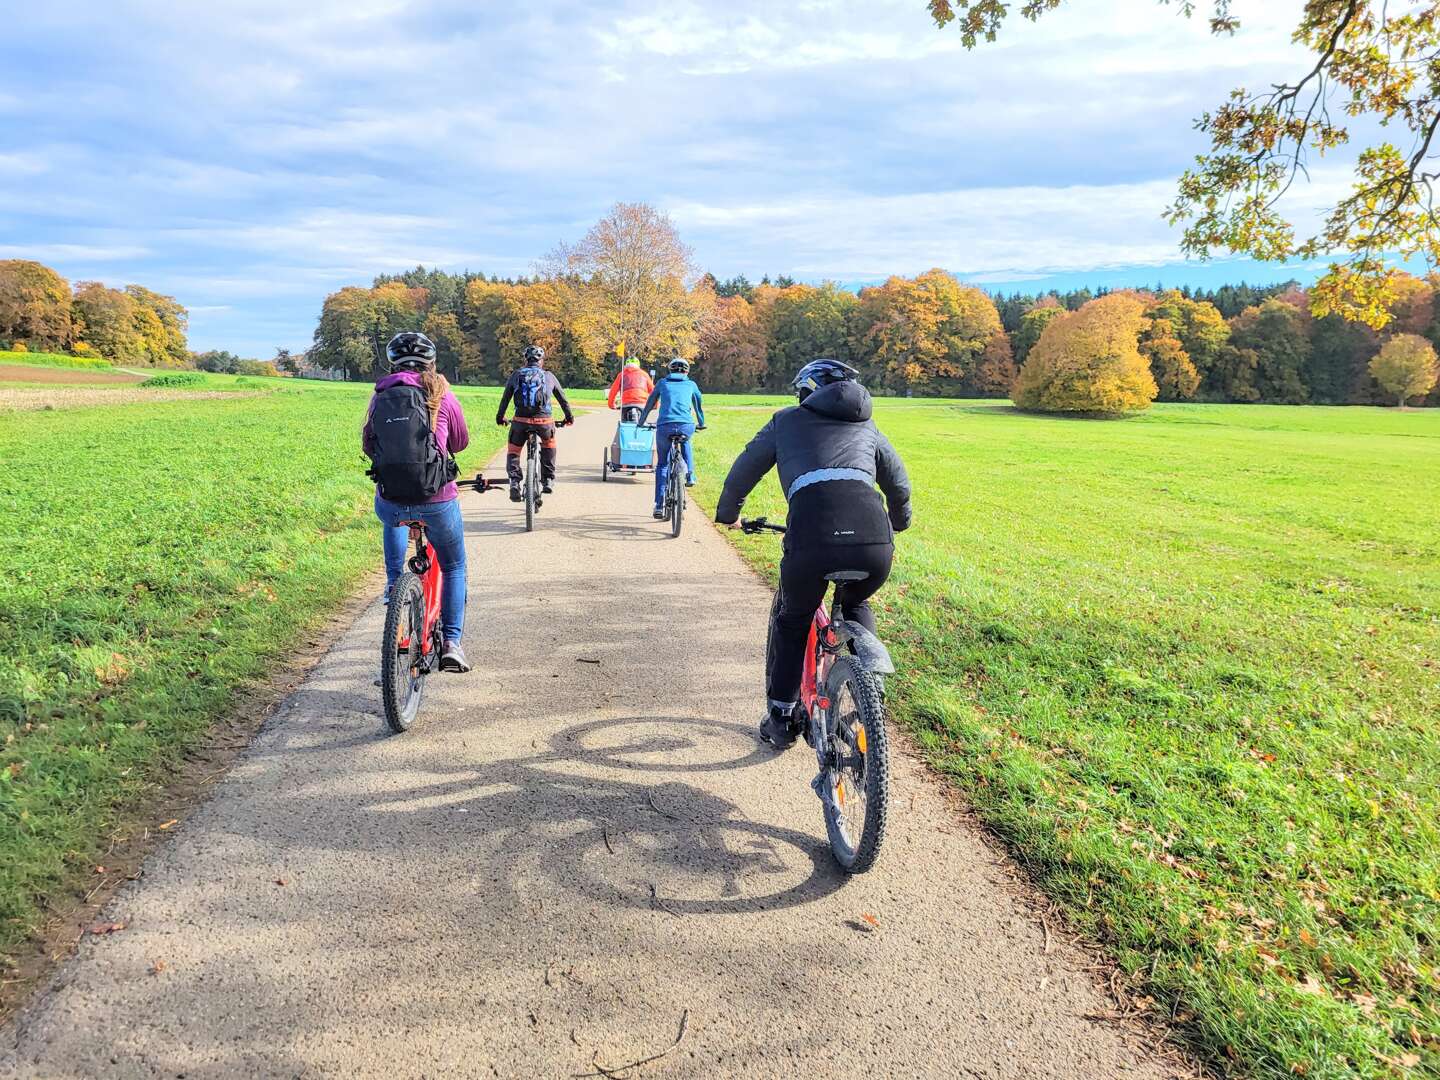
408, 466
532, 391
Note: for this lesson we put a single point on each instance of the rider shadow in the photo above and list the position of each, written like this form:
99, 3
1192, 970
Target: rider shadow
569, 813
615, 527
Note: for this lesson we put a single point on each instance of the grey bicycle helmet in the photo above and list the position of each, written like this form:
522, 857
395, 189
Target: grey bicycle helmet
410, 349
818, 373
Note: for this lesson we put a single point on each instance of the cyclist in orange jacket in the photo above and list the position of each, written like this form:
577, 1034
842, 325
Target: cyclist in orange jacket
632, 386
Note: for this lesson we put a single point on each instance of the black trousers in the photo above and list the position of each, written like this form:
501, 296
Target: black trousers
802, 589
518, 434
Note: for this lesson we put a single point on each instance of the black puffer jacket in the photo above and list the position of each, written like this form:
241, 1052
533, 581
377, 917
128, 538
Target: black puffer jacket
830, 430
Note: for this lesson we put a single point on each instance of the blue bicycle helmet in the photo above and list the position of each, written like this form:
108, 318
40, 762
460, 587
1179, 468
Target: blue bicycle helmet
818, 373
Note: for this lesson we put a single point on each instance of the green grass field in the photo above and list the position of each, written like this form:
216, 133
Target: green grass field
1188, 666
58, 360
160, 557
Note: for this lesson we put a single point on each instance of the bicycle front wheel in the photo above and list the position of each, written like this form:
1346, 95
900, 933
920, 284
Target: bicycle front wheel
855, 785
402, 653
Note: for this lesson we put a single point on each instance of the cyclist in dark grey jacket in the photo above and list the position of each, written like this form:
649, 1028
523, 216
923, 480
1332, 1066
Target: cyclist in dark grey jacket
830, 457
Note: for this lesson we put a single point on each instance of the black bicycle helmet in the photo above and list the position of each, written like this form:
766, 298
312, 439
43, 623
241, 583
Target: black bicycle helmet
534, 354
818, 373
679, 363
410, 349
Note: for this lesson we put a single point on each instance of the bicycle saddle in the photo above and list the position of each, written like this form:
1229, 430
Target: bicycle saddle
843, 576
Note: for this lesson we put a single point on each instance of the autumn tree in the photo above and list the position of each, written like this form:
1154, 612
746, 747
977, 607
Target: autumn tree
929, 334
803, 323
1405, 366
1198, 325
34, 306
106, 319
1089, 361
993, 373
1170, 364
628, 280
356, 324
162, 322
1371, 61
733, 347
1276, 332
1032, 324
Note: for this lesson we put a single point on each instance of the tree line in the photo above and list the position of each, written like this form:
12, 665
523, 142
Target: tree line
41, 312
926, 335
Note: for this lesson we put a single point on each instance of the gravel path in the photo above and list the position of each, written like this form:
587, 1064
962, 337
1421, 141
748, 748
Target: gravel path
563, 862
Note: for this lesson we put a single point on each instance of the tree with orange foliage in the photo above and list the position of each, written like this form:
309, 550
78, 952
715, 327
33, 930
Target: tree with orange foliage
34, 305
1170, 364
930, 333
1089, 361
733, 346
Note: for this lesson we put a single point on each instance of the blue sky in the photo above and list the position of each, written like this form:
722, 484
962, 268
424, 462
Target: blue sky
251, 156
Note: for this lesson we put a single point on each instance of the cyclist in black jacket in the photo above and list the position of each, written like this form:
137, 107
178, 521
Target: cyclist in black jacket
830, 455
531, 387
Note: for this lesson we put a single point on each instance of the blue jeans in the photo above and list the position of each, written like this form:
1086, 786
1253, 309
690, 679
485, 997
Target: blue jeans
446, 529
662, 449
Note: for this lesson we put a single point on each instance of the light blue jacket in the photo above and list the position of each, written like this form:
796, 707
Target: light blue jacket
678, 397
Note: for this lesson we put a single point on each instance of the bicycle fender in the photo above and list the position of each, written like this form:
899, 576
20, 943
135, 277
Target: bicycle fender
867, 647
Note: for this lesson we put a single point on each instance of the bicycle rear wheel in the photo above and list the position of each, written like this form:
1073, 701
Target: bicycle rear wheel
402, 653
532, 487
676, 487
855, 786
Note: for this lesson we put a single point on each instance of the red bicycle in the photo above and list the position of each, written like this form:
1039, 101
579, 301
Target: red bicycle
412, 640
842, 692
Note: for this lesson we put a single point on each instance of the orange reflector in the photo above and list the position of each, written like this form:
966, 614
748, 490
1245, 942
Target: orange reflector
840, 791
860, 738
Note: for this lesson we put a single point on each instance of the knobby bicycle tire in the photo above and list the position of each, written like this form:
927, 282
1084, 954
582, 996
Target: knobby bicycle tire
531, 484
677, 490
401, 688
857, 854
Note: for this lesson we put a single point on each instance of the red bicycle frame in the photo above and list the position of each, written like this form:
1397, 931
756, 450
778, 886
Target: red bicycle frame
426, 567
817, 661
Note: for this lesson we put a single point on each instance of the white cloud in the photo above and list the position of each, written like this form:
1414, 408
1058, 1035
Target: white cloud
67, 253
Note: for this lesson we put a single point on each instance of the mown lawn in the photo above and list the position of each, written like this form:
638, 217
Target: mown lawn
1188, 666
160, 556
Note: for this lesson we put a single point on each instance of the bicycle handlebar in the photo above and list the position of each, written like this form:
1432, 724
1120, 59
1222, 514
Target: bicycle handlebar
483, 484
757, 525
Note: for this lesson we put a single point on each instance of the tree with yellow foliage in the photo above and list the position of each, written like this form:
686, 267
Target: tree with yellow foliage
1089, 361
1406, 367
1368, 60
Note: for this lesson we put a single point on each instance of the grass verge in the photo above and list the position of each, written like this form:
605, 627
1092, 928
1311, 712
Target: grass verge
1188, 666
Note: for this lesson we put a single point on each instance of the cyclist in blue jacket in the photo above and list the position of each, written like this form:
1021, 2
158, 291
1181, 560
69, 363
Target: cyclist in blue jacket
681, 408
